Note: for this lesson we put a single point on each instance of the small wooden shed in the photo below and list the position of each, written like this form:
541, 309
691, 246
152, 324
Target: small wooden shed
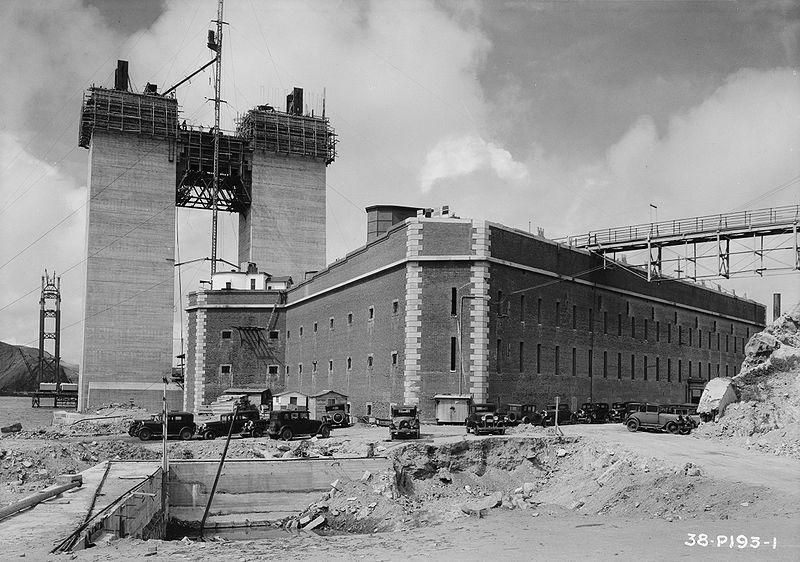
317, 402
452, 408
289, 400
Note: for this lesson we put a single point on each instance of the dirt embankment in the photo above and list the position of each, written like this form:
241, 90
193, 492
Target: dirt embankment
543, 475
767, 417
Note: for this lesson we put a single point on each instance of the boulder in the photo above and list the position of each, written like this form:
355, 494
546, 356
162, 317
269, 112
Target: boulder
761, 344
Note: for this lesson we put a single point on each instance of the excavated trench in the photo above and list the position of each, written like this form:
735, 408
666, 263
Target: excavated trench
425, 484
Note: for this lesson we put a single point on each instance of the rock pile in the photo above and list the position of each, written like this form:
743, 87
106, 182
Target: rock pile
768, 416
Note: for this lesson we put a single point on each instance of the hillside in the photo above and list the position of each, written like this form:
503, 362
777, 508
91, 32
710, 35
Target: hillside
19, 368
767, 417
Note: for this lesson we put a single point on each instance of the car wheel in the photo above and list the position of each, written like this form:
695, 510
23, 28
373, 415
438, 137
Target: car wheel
338, 417
672, 427
287, 434
186, 434
325, 432
632, 424
258, 432
209, 435
145, 434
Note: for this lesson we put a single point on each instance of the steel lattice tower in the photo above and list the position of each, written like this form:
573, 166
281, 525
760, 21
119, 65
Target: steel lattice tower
50, 329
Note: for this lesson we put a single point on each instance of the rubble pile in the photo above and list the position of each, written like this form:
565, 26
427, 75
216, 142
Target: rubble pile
542, 475
767, 418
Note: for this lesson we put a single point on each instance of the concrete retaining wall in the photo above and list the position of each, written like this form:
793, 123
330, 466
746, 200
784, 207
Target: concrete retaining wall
258, 490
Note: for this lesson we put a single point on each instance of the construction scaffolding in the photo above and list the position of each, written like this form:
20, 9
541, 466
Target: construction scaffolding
270, 130
195, 171
121, 111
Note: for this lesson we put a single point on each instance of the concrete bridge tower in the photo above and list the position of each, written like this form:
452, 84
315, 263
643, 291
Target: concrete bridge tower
127, 342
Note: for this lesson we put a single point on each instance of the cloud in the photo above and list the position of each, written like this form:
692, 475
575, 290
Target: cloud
53, 198
454, 157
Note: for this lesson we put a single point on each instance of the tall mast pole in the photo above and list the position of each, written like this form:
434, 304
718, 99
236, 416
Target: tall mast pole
217, 92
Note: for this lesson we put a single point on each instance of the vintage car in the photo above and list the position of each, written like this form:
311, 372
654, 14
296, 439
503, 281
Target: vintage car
337, 415
287, 424
565, 415
631, 407
593, 412
405, 422
662, 418
245, 422
515, 414
617, 412
686, 410
179, 424
483, 419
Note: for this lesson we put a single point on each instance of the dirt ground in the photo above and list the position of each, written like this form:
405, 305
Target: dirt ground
599, 488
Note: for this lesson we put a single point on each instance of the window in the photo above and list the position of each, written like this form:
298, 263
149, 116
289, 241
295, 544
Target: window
315, 327
293, 401
288, 334
499, 303
252, 284
718, 338
349, 317
627, 309
272, 370
591, 359
274, 334
330, 366
287, 370
690, 338
619, 366
700, 338
558, 360
574, 361
658, 331
669, 369
225, 369
521, 356
605, 364
538, 358
645, 367
539, 311
368, 408
680, 370
658, 364
715, 325
452, 353
669, 332
646, 329
574, 317
226, 334
369, 361
314, 367
633, 366
394, 358
371, 313
522, 308
605, 322
453, 301
726, 370
689, 372
330, 323
227, 284
558, 313
395, 306
696, 322
727, 343
301, 331
619, 324
499, 353
349, 363
300, 369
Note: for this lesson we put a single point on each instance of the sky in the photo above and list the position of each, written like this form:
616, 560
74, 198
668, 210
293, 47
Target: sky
562, 115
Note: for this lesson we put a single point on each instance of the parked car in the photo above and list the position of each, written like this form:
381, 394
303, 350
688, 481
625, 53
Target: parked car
631, 407
515, 414
179, 424
686, 410
593, 412
241, 425
405, 422
287, 424
565, 415
483, 419
337, 415
617, 412
663, 418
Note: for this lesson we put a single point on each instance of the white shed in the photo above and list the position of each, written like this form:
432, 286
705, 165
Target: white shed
289, 400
